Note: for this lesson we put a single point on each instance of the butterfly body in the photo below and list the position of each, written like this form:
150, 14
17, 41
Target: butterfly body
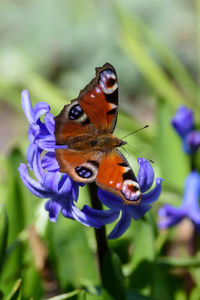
86, 127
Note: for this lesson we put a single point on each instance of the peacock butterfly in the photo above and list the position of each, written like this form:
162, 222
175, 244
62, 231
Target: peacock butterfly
86, 126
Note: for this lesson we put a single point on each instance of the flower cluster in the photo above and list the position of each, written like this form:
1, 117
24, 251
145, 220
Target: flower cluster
183, 122
62, 192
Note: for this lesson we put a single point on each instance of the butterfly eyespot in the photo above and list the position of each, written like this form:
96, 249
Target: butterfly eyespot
108, 81
75, 112
83, 172
131, 190
87, 171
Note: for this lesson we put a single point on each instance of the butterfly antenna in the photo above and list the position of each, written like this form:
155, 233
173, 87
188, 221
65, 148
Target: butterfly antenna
135, 131
139, 154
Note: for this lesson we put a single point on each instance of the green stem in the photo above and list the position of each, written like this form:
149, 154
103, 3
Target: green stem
100, 234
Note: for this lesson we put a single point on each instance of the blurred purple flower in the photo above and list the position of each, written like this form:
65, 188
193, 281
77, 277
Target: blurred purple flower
61, 191
189, 208
145, 179
183, 123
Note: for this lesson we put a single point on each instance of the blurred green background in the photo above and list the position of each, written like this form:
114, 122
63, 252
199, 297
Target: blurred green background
52, 48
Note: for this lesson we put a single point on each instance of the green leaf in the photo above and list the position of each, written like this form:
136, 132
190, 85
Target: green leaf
167, 57
15, 293
70, 254
112, 277
174, 163
3, 234
131, 295
179, 262
67, 295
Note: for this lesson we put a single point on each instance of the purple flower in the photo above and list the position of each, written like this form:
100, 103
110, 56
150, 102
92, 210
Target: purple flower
145, 179
183, 123
61, 191
189, 208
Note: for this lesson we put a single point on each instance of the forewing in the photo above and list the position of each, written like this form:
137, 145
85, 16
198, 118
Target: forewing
94, 111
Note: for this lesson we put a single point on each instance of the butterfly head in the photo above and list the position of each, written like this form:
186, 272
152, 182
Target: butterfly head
109, 141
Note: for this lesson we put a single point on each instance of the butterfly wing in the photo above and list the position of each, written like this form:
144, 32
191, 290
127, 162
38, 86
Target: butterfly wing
80, 166
110, 171
116, 176
95, 109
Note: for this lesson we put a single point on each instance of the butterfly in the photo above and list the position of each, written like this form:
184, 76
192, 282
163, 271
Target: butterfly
86, 127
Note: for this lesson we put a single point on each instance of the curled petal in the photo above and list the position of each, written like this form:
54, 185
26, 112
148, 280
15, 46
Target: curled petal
74, 191
169, 221
137, 212
49, 162
65, 186
104, 216
40, 109
37, 168
121, 226
53, 207
51, 181
49, 122
30, 154
153, 195
110, 200
145, 175
69, 210
27, 107
32, 185
33, 132
47, 143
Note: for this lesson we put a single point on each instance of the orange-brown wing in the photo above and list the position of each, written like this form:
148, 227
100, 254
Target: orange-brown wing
80, 166
116, 176
94, 111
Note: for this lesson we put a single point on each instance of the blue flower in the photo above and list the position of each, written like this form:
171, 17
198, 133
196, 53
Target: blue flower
61, 191
189, 208
183, 123
145, 179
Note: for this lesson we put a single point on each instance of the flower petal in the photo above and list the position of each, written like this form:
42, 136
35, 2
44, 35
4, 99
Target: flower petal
40, 109
51, 181
53, 207
153, 195
30, 154
65, 186
121, 226
110, 200
104, 216
192, 141
32, 185
37, 168
168, 222
50, 123
183, 121
137, 212
49, 162
27, 107
145, 175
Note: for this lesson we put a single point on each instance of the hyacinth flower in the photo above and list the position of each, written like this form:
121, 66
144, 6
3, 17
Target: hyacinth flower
62, 192
183, 123
189, 208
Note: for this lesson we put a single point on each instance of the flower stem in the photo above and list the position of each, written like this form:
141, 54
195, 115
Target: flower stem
100, 234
